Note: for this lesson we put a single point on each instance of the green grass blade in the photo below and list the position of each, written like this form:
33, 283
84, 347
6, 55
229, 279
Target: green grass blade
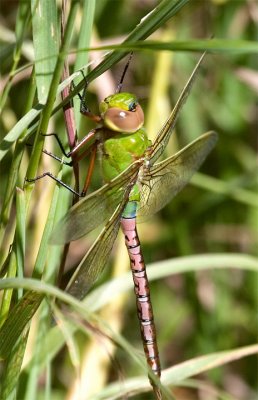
43, 264
177, 374
22, 24
105, 293
42, 128
12, 368
24, 311
43, 323
17, 130
165, 10
16, 322
45, 35
82, 57
85, 33
197, 45
154, 20
201, 364
227, 189
15, 165
11, 265
20, 235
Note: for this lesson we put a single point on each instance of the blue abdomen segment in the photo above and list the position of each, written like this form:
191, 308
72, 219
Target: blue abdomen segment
130, 210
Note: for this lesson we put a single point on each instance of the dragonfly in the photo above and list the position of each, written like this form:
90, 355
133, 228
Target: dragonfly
136, 186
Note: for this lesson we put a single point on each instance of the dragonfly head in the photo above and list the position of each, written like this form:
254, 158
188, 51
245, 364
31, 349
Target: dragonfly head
121, 112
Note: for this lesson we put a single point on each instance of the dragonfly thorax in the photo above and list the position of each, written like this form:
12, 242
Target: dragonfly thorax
121, 112
120, 151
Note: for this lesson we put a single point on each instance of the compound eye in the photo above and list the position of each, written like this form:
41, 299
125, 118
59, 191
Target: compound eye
124, 121
132, 107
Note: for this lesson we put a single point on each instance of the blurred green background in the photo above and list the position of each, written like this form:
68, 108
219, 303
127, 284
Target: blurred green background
197, 312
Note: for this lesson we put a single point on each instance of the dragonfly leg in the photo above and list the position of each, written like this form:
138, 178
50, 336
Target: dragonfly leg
120, 84
76, 157
55, 179
84, 109
74, 153
59, 143
83, 106
90, 169
70, 163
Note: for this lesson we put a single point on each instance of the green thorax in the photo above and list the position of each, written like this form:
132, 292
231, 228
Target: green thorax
127, 140
121, 151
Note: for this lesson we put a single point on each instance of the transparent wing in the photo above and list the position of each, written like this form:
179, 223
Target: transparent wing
94, 209
164, 134
96, 259
165, 179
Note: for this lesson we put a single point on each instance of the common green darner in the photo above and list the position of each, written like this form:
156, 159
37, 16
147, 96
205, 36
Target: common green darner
135, 186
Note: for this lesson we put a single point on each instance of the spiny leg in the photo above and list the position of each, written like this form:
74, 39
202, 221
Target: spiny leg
59, 143
84, 109
90, 169
55, 179
76, 159
70, 163
74, 153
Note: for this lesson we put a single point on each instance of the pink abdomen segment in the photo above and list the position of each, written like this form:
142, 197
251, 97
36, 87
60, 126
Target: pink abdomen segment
142, 292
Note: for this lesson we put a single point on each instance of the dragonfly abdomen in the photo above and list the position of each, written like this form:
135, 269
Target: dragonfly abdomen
142, 293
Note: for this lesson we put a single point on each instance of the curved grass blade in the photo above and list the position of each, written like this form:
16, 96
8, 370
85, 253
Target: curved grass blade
23, 19
219, 46
17, 320
46, 114
163, 12
46, 41
96, 259
168, 177
13, 364
164, 134
177, 374
106, 292
94, 209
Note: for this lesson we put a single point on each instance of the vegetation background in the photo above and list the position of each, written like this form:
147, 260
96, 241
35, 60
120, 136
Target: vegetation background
200, 249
